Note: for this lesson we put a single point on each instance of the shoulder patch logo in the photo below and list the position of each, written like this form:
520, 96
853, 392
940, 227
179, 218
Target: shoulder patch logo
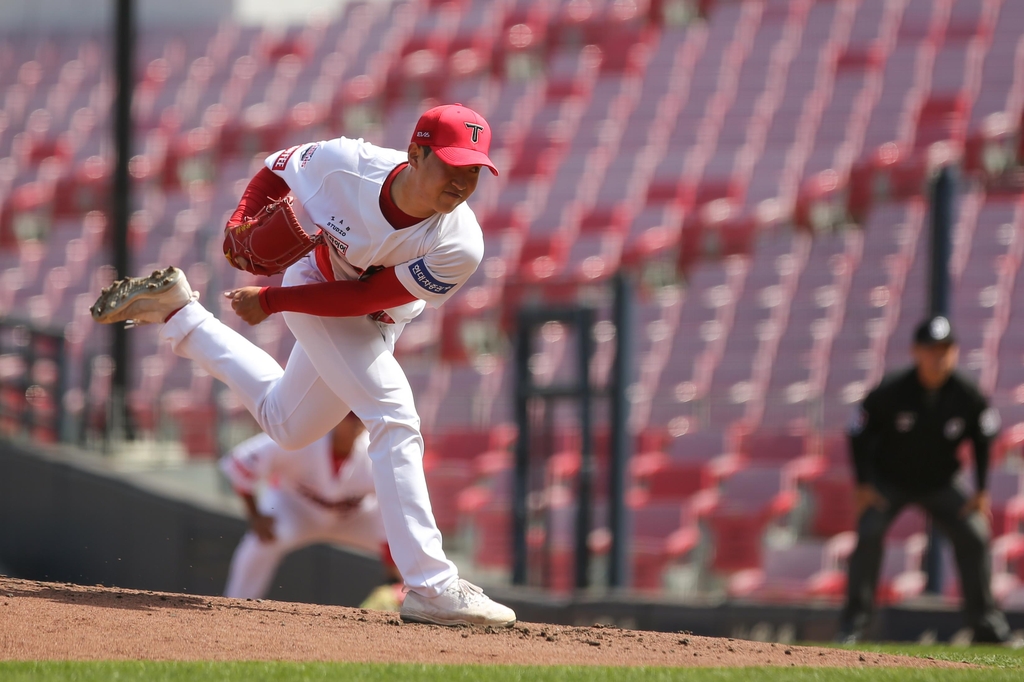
905, 421
282, 159
426, 280
989, 422
307, 154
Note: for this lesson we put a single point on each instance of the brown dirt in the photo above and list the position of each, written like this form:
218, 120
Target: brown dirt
41, 620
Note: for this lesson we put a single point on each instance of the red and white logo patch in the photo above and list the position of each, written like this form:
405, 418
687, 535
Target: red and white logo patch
282, 159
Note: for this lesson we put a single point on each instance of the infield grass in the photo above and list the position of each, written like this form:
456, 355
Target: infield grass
1000, 665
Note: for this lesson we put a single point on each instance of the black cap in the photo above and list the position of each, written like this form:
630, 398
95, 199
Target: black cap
934, 330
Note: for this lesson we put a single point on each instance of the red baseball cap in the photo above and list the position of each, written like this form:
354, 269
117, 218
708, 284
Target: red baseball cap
457, 134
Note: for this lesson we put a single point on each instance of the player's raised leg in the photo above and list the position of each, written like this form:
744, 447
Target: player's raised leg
293, 408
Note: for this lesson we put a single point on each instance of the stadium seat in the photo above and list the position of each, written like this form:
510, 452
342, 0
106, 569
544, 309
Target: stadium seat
446, 479
690, 462
900, 577
660, 533
738, 514
804, 571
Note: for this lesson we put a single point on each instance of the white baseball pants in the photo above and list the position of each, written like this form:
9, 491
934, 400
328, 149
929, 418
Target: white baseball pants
298, 523
339, 364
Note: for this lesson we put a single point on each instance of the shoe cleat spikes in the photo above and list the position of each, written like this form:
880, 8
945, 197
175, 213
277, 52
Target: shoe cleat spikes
142, 300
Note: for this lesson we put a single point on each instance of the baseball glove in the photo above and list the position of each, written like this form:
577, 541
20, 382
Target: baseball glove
268, 242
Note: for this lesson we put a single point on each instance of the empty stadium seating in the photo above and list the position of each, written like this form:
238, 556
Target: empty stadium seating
732, 149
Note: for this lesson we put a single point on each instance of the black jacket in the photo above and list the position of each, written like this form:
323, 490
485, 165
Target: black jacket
909, 439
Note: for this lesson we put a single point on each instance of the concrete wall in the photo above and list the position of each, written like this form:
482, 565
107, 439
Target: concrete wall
65, 518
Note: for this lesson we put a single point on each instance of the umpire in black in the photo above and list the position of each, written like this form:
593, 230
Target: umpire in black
904, 444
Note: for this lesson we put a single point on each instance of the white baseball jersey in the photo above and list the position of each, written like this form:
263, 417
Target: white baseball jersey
302, 486
338, 183
342, 364
308, 472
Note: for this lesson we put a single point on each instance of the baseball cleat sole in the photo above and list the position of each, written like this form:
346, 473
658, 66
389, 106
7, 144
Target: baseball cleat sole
143, 300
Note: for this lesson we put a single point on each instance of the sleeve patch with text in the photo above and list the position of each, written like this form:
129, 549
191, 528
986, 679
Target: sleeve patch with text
308, 154
426, 280
282, 159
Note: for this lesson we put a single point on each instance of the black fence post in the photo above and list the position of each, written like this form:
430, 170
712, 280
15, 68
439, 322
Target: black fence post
120, 204
943, 199
584, 335
622, 314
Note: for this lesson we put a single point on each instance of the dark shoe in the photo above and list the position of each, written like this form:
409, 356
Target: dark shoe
848, 637
989, 637
1014, 642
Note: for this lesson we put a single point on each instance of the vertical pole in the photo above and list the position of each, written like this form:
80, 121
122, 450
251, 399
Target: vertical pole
943, 197
520, 481
120, 202
943, 206
61, 426
584, 331
620, 445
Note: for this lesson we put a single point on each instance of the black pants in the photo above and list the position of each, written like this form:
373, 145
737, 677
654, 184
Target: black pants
970, 538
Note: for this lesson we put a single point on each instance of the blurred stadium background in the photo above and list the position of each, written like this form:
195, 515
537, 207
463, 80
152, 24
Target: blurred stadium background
759, 168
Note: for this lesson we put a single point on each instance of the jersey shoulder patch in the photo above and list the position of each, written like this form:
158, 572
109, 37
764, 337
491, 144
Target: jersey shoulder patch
989, 422
422, 275
307, 154
282, 159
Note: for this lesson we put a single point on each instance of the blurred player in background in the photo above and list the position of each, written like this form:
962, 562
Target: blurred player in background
397, 235
904, 444
322, 493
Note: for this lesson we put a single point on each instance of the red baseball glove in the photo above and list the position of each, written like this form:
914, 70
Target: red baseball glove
268, 242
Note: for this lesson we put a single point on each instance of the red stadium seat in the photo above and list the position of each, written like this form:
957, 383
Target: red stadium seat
446, 478
660, 533
832, 503
737, 517
791, 574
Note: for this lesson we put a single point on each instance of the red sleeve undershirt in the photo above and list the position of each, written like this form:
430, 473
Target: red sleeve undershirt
328, 299
264, 188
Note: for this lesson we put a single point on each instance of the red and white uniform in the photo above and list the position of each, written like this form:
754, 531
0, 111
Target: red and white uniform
300, 490
339, 185
346, 363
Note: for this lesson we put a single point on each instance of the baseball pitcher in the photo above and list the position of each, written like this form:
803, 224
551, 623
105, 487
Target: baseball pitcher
395, 235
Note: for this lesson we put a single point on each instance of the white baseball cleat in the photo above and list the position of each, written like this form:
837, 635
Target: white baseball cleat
462, 603
143, 300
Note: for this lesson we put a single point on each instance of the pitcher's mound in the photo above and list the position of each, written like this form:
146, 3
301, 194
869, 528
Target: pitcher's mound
41, 620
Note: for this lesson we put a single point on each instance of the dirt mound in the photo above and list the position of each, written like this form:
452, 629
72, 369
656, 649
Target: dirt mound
41, 620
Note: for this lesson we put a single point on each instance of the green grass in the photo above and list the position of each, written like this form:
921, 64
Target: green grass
1001, 665
994, 656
